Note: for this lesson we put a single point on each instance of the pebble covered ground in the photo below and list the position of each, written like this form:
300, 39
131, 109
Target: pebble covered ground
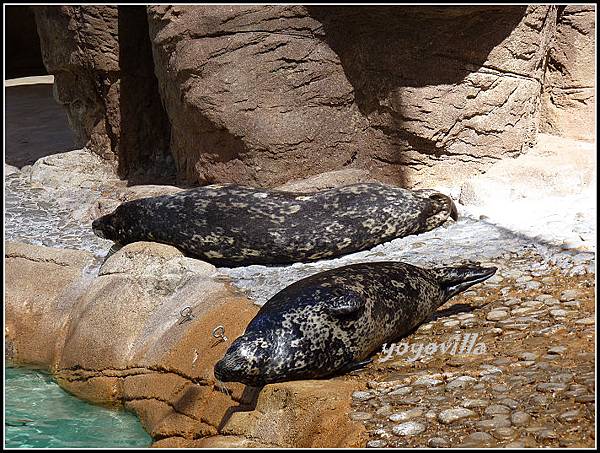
517, 368
532, 383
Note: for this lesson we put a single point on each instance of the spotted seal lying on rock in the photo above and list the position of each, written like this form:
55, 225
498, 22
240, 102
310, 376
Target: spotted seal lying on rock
229, 225
331, 322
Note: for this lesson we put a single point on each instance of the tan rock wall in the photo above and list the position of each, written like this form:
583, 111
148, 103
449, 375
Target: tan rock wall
119, 339
568, 98
262, 95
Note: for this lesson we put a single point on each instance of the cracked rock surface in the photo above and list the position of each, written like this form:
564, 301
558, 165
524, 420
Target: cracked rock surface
117, 336
262, 95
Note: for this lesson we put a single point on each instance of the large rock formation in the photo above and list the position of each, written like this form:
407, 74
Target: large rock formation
120, 338
568, 98
261, 95
103, 73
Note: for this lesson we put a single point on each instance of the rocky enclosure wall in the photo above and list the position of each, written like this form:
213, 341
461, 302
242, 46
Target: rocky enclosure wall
116, 336
261, 95
568, 99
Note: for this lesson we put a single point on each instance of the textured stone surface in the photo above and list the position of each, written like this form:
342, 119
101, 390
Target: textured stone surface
119, 338
41, 285
261, 95
103, 71
568, 101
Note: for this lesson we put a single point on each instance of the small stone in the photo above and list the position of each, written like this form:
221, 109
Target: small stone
490, 369
437, 442
562, 377
515, 444
499, 388
503, 361
461, 382
362, 396
520, 418
478, 439
568, 294
559, 312
521, 311
470, 403
586, 321
427, 381
557, 350
496, 315
532, 285
378, 443
511, 302
552, 301
360, 416
546, 434
401, 391
496, 409
539, 400
406, 415
569, 416
451, 415
408, 429
504, 433
431, 414
451, 323
464, 316
551, 387
384, 410
528, 356
509, 403
585, 398
549, 331
498, 421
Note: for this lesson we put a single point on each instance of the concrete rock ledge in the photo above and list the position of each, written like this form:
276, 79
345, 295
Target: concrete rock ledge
118, 338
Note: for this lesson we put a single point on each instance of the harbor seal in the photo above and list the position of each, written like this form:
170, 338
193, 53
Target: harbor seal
230, 225
331, 322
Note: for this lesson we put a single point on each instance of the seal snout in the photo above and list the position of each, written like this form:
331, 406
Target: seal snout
97, 228
453, 210
220, 371
104, 227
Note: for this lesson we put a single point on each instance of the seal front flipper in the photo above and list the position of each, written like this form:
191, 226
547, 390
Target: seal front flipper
454, 280
346, 305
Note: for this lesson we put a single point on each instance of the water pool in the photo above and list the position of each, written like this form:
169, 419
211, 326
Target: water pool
39, 414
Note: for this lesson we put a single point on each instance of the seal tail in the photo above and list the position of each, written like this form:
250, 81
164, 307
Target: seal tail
454, 280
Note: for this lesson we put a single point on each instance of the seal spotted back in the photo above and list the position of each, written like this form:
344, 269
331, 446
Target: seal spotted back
230, 225
332, 321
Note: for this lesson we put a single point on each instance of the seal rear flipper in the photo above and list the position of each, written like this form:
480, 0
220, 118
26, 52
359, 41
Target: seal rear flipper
455, 280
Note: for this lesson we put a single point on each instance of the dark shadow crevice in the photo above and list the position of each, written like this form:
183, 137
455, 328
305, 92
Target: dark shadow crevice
143, 152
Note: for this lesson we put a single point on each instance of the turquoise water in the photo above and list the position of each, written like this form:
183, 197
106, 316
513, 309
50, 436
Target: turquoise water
38, 413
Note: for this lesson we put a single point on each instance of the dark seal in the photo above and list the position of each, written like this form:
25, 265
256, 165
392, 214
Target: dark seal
331, 322
229, 225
